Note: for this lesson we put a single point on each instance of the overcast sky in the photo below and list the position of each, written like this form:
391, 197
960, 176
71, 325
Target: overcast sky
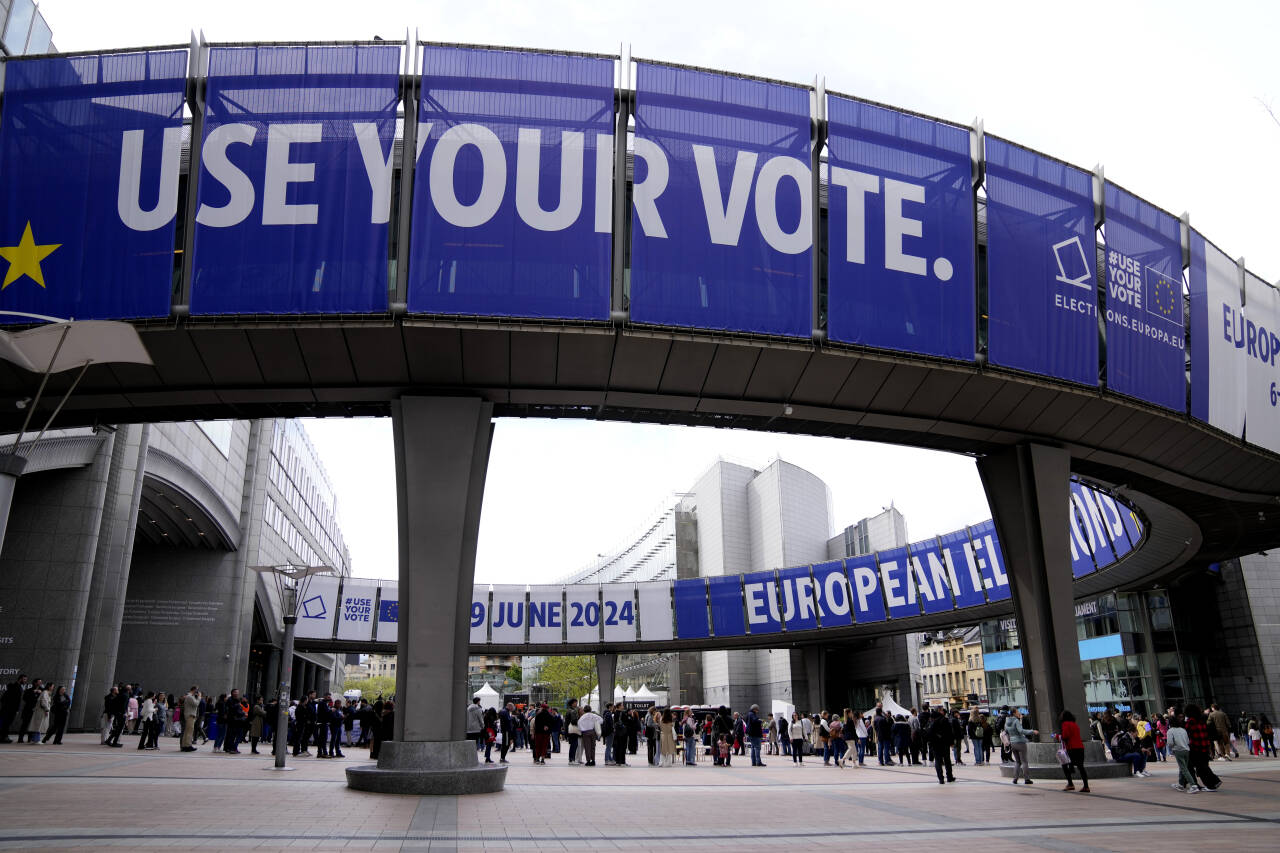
1168, 96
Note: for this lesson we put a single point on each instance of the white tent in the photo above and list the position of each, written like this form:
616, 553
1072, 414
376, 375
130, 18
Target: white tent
488, 697
786, 709
618, 694
890, 707
629, 693
644, 694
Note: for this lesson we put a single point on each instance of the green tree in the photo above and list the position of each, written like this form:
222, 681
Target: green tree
371, 688
568, 677
515, 673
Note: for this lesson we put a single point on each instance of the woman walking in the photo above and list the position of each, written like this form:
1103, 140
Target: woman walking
1069, 738
39, 724
257, 717
146, 713
1018, 737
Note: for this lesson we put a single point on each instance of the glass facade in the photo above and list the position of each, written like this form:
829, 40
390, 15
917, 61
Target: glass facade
302, 484
23, 30
1129, 656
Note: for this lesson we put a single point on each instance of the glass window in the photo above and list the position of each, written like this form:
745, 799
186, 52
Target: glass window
41, 36
18, 25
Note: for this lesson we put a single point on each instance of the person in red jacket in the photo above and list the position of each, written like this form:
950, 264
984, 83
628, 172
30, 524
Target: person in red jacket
1069, 738
1201, 749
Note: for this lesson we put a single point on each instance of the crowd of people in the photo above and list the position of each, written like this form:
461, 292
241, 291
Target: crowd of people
1193, 737
681, 736
37, 713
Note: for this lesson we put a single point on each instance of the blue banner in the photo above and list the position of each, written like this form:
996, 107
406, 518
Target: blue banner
1218, 337
864, 581
1145, 342
831, 586
989, 560
691, 608
798, 609
901, 271
513, 189
1081, 533
956, 549
761, 590
90, 150
726, 606
295, 180
1042, 283
722, 235
935, 579
898, 585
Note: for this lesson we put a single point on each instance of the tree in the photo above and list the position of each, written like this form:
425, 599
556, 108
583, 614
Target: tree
515, 673
568, 677
372, 688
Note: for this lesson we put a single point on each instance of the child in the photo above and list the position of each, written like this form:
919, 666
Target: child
1180, 746
1255, 738
723, 748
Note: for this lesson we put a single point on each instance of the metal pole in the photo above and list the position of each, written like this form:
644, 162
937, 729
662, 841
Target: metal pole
286, 679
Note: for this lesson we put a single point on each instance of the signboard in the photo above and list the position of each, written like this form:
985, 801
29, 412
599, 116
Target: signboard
831, 588
654, 602
722, 234
1042, 285
935, 577
761, 591
1145, 342
513, 189
356, 612
295, 180
691, 608
1261, 342
388, 613
90, 150
987, 558
799, 611
546, 614
583, 613
726, 606
317, 608
479, 613
901, 268
507, 612
1218, 337
618, 612
864, 580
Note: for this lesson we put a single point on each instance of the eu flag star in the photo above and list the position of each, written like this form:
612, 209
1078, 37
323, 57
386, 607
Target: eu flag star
25, 258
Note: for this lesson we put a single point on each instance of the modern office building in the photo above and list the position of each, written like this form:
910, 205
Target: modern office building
128, 557
23, 29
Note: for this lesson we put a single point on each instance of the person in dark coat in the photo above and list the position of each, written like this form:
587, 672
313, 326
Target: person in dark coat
58, 716
883, 727
620, 717
941, 736
305, 723
507, 728
384, 729
10, 705
30, 697
542, 722
116, 704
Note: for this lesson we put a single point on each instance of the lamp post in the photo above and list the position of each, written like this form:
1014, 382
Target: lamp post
291, 588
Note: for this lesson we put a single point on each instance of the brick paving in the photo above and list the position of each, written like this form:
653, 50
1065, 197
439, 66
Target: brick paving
85, 796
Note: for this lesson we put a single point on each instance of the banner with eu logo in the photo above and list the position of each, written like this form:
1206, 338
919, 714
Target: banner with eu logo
295, 180
1042, 285
1145, 343
902, 232
90, 148
513, 189
722, 233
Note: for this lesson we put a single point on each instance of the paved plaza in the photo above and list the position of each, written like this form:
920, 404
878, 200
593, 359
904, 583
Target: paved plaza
84, 796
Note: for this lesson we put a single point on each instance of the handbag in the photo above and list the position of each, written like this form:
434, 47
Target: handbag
574, 730
1063, 758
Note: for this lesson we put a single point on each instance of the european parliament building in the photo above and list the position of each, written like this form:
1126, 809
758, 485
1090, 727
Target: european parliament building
129, 551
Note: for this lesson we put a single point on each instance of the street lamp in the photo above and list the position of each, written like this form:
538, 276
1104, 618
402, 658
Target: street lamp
291, 588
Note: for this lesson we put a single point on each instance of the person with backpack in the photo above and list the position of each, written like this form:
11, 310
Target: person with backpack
755, 732
606, 732
1124, 750
689, 732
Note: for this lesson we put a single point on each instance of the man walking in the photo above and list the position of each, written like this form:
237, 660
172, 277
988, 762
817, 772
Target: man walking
10, 702
507, 728
755, 732
29, 699
941, 737
115, 706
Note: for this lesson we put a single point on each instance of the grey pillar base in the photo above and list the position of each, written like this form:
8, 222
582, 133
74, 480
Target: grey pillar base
1042, 760
428, 768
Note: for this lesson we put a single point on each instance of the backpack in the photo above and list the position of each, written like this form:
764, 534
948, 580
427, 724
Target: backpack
689, 729
1121, 744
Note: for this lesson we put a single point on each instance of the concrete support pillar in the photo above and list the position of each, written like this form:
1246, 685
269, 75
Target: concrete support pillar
442, 455
813, 673
606, 677
1027, 489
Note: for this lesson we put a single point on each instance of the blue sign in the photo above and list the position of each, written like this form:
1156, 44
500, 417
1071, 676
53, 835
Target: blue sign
901, 269
295, 180
864, 581
691, 608
726, 606
90, 150
513, 189
761, 591
1042, 284
989, 560
831, 587
798, 609
935, 578
898, 585
1081, 532
957, 550
1145, 344
722, 236
1219, 333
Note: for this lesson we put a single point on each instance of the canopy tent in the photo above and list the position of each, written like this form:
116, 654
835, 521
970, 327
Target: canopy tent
618, 694
644, 694
629, 693
890, 707
488, 697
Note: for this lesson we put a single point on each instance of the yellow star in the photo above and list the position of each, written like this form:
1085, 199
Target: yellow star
25, 258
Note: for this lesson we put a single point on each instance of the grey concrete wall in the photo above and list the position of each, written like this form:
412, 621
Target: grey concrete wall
46, 568
1242, 670
178, 628
1261, 572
